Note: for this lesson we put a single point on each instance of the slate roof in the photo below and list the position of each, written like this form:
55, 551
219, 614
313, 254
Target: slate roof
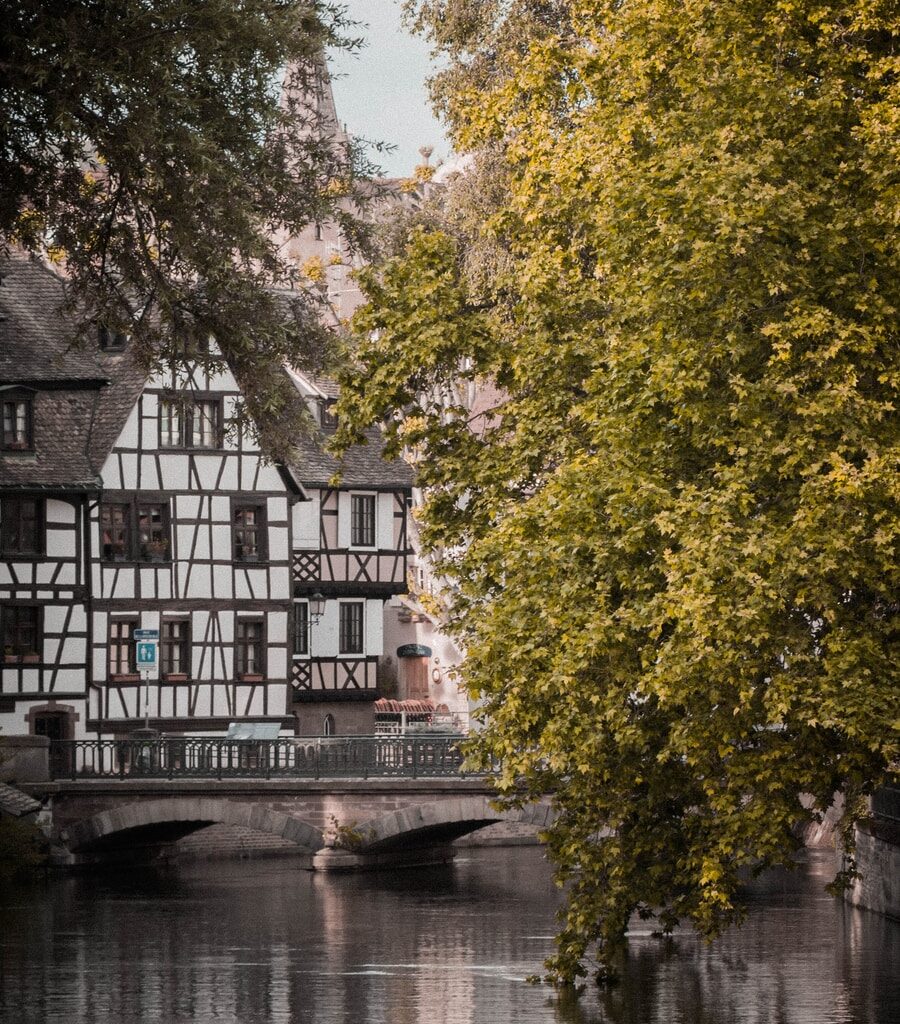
35, 334
326, 385
82, 396
362, 466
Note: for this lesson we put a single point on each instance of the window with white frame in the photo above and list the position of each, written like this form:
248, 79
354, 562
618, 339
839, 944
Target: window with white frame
362, 520
350, 633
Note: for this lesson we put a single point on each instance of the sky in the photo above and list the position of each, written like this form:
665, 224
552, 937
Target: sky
380, 93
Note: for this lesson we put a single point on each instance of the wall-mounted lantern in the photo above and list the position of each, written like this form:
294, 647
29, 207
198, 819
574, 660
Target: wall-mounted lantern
316, 608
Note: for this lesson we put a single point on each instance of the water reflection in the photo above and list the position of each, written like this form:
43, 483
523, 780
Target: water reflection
265, 942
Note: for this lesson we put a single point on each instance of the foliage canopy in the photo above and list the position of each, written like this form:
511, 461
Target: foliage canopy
674, 541
148, 146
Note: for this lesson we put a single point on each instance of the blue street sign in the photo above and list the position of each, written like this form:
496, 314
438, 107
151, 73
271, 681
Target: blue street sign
146, 655
146, 634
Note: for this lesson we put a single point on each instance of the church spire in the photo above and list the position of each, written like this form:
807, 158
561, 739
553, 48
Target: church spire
309, 89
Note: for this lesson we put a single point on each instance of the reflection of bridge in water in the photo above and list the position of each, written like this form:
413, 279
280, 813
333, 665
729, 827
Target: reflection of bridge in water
344, 802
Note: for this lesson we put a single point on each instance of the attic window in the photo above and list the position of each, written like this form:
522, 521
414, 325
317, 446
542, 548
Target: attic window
17, 424
327, 416
111, 341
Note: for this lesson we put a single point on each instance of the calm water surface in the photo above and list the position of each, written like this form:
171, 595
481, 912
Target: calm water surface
260, 941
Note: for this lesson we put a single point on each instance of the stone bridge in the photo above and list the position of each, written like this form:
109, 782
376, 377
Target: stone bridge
351, 823
336, 823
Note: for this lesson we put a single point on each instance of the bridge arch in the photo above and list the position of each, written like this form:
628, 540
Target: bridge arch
442, 821
174, 817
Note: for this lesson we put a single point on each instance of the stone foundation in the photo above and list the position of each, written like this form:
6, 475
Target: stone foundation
878, 862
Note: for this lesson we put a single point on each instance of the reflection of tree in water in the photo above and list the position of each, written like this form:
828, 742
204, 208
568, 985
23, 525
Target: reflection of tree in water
262, 943
800, 958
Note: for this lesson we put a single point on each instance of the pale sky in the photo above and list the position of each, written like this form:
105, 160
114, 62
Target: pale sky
380, 93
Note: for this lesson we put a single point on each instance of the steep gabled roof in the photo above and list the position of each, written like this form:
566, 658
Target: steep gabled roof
82, 397
363, 465
36, 335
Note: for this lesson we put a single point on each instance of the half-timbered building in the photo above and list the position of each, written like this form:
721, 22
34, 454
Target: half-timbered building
59, 413
350, 556
129, 503
192, 535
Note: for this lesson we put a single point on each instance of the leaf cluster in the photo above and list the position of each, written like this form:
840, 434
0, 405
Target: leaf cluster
159, 151
674, 535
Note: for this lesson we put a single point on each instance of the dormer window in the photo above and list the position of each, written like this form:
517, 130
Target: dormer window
17, 424
110, 340
327, 417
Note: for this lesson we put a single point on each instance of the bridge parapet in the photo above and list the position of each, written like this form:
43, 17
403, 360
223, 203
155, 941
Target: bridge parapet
313, 758
24, 759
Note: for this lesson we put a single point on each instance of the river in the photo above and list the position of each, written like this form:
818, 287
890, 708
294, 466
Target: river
260, 942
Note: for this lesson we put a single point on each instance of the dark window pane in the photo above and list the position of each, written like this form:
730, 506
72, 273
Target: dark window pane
21, 529
301, 628
111, 341
249, 647
114, 531
362, 520
351, 628
17, 424
153, 532
20, 630
175, 647
327, 415
247, 533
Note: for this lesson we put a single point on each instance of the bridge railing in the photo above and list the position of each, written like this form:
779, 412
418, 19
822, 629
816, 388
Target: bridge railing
314, 758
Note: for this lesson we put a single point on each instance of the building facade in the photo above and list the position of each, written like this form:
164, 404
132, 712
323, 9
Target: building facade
351, 551
129, 503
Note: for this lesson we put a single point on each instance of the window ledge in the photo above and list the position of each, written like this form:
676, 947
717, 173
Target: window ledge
250, 677
176, 677
125, 677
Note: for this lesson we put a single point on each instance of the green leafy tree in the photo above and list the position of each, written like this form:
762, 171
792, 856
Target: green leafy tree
148, 147
674, 540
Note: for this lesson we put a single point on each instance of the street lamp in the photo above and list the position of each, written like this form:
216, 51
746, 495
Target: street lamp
316, 608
